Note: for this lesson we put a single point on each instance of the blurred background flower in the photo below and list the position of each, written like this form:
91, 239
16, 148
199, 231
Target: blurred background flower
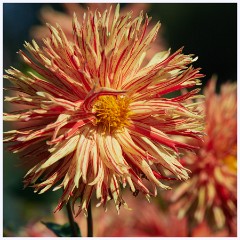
211, 192
201, 28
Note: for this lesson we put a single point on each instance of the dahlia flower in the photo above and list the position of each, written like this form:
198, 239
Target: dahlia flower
99, 119
211, 191
64, 19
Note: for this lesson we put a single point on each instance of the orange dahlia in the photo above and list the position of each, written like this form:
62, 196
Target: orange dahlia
98, 118
211, 191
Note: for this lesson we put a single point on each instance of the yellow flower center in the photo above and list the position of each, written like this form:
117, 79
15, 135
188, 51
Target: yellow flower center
111, 112
231, 162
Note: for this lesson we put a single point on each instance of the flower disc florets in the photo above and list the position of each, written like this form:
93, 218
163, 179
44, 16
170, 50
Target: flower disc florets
111, 112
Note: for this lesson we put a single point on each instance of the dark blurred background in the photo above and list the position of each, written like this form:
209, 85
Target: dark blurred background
206, 30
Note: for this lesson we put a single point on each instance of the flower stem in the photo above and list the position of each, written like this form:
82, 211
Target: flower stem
190, 228
89, 220
189, 232
71, 220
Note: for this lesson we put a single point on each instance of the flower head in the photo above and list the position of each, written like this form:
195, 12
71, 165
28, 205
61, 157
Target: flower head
98, 118
211, 191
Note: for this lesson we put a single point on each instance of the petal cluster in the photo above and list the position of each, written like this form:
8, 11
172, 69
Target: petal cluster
211, 191
47, 14
98, 118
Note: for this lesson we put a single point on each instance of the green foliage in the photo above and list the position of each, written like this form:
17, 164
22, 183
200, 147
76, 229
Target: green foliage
64, 230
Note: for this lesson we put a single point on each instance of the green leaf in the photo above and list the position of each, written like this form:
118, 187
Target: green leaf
62, 230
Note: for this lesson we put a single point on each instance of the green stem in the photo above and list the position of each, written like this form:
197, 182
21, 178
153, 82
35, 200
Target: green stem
89, 220
71, 220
